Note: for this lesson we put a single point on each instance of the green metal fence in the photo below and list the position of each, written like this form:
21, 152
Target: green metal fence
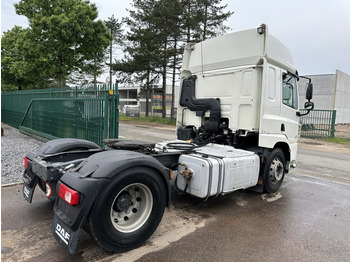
14, 104
318, 124
86, 113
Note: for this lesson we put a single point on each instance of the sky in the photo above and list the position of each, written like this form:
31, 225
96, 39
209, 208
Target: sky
316, 32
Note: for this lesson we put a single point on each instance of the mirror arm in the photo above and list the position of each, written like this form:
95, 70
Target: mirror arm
304, 114
307, 104
308, 78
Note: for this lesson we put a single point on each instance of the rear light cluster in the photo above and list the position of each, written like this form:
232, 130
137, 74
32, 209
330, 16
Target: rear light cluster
25, 162
69, 195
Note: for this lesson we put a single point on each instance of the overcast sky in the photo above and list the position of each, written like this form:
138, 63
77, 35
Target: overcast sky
316, 31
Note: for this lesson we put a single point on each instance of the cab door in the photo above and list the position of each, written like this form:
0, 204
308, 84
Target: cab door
289, 107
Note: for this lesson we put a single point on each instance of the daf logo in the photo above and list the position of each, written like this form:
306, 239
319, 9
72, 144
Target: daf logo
62, 233
26, 191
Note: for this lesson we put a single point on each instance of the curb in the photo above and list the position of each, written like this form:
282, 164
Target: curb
12, 184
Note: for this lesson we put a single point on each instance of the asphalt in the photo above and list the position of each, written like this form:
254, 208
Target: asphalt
307, 220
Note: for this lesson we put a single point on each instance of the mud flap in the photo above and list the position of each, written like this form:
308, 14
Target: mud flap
28, 188
64, 235
257, 188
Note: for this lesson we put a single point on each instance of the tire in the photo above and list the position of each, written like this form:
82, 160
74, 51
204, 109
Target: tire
274, 171
128, 210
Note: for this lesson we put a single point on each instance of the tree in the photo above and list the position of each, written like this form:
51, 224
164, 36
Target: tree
68, 34
22, 63
141, 49
191, 20
212, 16
203, 19
158, 30
167, 20
116, 32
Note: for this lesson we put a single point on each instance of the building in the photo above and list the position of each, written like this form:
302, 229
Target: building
331, 92
131, 95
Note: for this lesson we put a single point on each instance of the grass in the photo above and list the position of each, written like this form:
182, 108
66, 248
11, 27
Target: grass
148, 119
338, 140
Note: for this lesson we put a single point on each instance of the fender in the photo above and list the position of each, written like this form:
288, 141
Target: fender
89, 178
62, 145
107, 164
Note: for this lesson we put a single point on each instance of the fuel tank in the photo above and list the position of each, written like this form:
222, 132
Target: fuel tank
217, 170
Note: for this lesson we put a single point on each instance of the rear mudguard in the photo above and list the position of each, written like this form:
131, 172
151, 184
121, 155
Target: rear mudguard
89, 178
62, 145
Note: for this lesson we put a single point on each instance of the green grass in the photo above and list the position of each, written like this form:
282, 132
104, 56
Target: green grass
148, 119
338, 140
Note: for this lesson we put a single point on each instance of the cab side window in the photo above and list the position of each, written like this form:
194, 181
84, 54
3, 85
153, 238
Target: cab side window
289, 91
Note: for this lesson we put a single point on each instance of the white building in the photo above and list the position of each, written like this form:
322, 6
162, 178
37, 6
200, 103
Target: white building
331, 92
133, 95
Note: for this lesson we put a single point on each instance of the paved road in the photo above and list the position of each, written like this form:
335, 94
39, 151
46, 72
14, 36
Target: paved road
334, 167
146, 133
308, 220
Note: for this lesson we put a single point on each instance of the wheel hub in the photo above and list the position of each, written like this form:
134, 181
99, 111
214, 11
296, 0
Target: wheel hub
131, 208
276, 170
123, 202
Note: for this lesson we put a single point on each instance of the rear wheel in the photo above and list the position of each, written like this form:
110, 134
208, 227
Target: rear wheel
274, 171
128, 210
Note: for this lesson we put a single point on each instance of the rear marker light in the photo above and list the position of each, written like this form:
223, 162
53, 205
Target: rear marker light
25, 162
69, 195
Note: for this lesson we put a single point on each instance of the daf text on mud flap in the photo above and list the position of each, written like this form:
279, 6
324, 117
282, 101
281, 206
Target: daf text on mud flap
26, 191
62, 233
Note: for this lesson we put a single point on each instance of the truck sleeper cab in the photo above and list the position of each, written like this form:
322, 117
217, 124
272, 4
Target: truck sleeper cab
237, 128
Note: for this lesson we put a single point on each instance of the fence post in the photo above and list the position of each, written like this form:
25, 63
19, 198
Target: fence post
334, 113
113, 116
105, 124
117, 110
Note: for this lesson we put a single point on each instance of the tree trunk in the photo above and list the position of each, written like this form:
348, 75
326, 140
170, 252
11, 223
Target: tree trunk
173, 81
164, 81
189, 26
205, 21
61, 80
95, 74
147, 93
110, 65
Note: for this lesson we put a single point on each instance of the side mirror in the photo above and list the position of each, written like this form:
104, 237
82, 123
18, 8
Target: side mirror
309, 91
308, 105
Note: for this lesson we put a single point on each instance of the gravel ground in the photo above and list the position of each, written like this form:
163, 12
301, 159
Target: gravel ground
14, 146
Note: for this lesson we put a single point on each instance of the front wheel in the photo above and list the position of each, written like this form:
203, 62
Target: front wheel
274, 171
128, 210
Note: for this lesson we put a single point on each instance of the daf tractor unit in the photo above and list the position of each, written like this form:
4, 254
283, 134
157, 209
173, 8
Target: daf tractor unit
237, 128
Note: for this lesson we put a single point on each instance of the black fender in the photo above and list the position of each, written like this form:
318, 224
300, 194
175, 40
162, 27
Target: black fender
62, 145
107, 164
89, 178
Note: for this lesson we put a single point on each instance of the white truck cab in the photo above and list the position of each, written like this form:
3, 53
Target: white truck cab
241, 89
253, 76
